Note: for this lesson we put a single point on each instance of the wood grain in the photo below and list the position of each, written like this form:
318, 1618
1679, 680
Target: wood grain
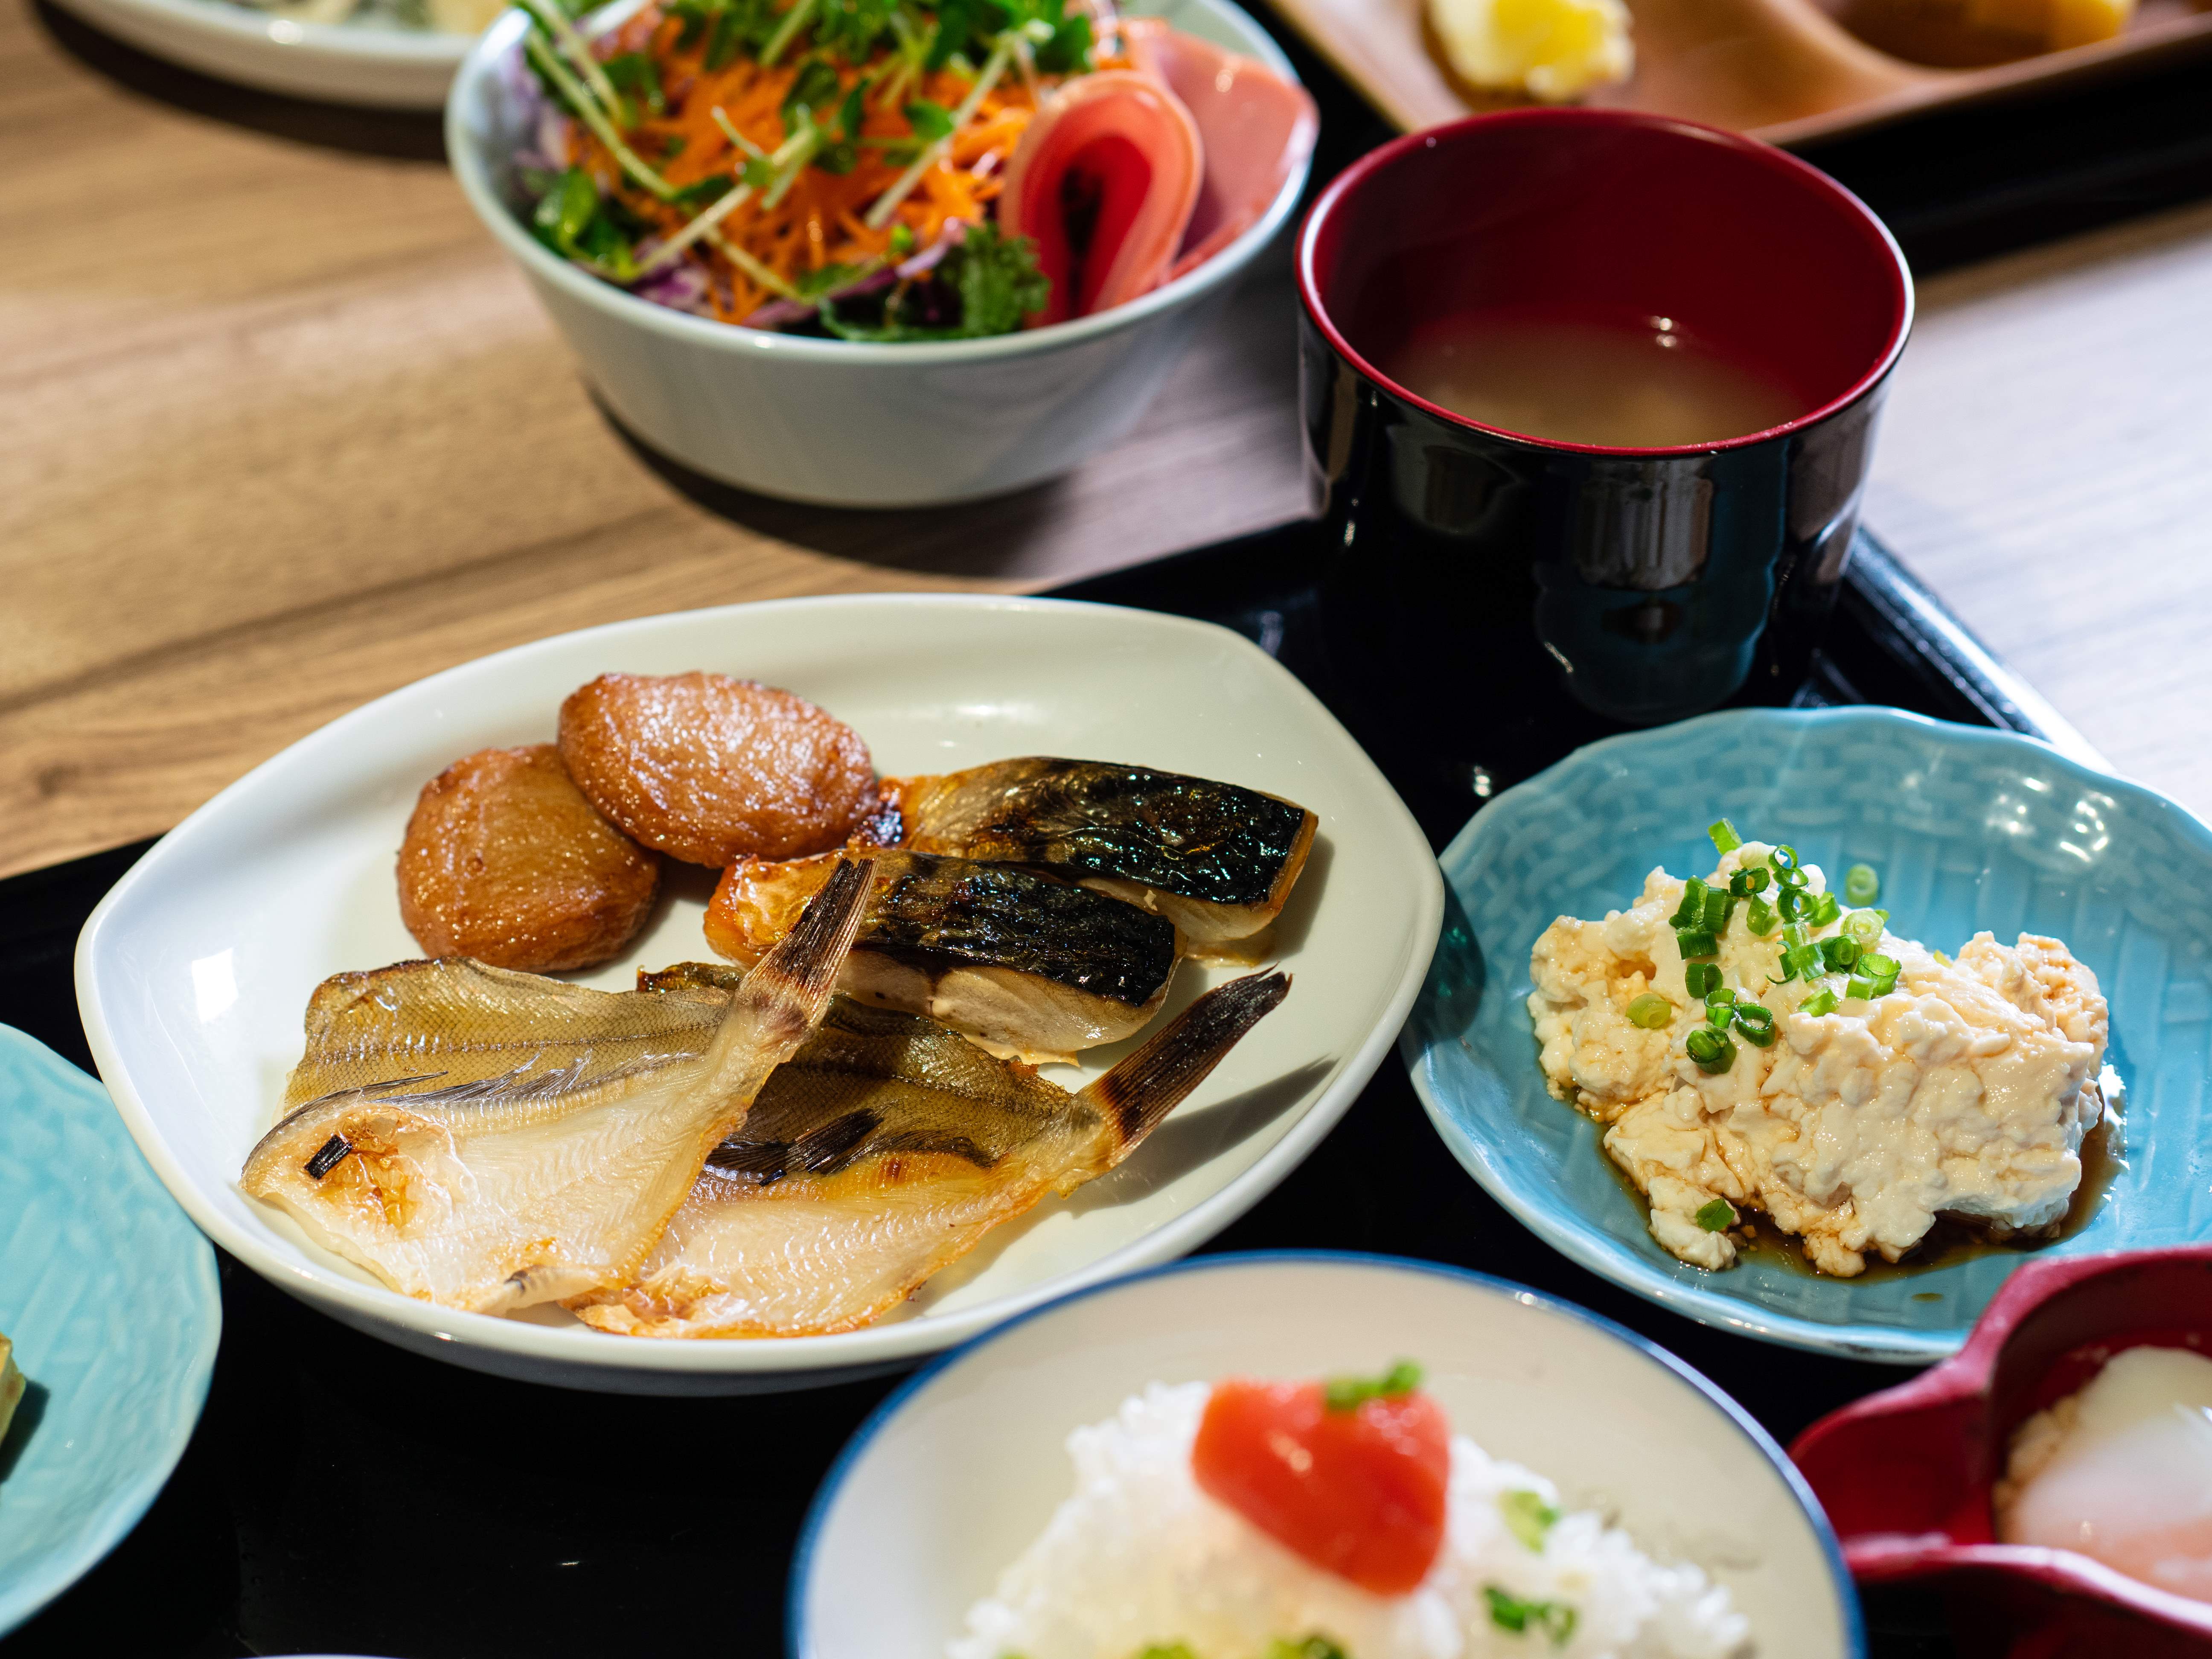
284, 431
2045, 463
281, 431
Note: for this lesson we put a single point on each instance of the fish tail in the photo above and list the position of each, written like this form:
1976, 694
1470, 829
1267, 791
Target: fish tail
790, 986
1149, 1084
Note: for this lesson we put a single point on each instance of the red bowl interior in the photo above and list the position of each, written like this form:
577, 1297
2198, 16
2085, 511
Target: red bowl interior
1610, 217
1905, 1475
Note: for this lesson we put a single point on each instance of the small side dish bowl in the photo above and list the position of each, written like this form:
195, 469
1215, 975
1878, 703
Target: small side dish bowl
960, 1469
110, 1300
193, 974
1906, 1475
1969, 829
367, 63
836, 421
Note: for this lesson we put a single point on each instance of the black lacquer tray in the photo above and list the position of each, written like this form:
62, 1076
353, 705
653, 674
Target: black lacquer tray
343, 1497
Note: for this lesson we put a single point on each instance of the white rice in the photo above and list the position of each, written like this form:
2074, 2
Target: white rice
1139, 1555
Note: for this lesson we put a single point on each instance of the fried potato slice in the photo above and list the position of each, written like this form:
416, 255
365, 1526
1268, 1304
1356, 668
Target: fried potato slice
505, 861
710, 769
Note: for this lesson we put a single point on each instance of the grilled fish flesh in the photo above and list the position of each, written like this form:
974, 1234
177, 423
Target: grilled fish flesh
1025, 962
1216, 860
884, 1150
487, 1139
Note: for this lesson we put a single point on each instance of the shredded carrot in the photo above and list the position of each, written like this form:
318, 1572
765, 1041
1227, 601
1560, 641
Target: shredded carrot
820, 220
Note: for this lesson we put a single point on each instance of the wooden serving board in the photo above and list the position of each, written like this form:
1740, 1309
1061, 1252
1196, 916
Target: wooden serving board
1783, 70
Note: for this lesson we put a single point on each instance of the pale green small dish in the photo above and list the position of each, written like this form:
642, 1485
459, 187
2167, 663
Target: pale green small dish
110, 1296
1969, 829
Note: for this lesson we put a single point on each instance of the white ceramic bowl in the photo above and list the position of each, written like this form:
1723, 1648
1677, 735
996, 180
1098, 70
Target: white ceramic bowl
193, 973
834, 422
337, 63
958, 1472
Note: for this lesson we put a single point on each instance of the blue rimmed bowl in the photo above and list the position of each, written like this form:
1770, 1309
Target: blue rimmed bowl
1970, 829
110, 1296
956, 1473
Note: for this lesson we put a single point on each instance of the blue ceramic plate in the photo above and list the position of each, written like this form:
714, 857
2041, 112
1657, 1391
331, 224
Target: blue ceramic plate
110, 1296
1969, 829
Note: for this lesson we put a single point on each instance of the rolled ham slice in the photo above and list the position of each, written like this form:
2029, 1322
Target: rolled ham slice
1255, 129
1104, 179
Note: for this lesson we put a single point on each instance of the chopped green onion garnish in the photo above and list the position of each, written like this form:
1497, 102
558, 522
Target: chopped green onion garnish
1724, 835
1692, 911
1717, 1016
1699, 978
1885, 985
1876, 965
1758, 1036
1840, 952
1822, 1001
1744, 883
1719, 994
1509, 1612
1716, 1217
1790, 903
1696, 942
1792, 877
1822, 909
1861, 987
1861, 885
1760, 918
1784, 857
1345, 1394
1713, 1052
1864, 925
1314, 1647
1528, 1516
1754, 1013
1796, 935
1717, 906
1804, 959
1652, 1011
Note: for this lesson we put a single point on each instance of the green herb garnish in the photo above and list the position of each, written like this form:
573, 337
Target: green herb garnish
1509, 1612
1860, 885
995, 276
1528, 1516
1311, 1647
1822, 1001
1713, 1053
1349, 1394
1724, 835
1652, 1011
1717, 1217
1699, 978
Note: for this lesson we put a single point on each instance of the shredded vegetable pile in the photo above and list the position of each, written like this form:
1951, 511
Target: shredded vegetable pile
830, 165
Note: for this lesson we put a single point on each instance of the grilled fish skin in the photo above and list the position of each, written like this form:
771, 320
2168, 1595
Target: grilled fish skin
1215, 859
1026, 963
487, 1141
886, 1150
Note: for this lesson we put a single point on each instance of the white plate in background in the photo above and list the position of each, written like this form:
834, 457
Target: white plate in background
193, 974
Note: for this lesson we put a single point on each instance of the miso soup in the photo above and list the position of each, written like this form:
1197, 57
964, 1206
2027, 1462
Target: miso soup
1623, 387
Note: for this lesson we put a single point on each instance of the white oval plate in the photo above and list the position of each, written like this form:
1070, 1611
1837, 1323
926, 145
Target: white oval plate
385, 68
958, 1472
193, 974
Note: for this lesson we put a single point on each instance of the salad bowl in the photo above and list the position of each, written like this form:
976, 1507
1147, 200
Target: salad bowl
1970, 829
962, 1466
193, 973
841, 422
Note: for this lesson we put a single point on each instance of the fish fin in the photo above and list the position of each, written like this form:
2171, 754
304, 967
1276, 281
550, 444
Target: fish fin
788, 991
1147, 1085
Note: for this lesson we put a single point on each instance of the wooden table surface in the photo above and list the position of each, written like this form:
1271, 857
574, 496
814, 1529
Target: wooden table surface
283, 430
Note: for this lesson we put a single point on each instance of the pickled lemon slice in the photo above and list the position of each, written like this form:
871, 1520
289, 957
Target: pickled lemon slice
1552, 50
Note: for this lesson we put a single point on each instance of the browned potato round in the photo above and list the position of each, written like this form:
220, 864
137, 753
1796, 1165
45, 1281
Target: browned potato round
505, 861
709, 768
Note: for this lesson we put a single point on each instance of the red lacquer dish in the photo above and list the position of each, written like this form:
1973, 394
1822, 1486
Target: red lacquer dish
1907, 1475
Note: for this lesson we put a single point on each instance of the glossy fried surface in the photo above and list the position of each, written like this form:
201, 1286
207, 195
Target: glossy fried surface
505, 861
709, 769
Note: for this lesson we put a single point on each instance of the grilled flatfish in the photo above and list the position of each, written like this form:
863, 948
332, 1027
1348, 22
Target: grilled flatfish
487, 1139
1025, 962
1216, 860
884, 1150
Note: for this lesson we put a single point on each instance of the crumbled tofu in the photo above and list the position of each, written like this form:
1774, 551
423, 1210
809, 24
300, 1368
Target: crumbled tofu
1966, 1091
